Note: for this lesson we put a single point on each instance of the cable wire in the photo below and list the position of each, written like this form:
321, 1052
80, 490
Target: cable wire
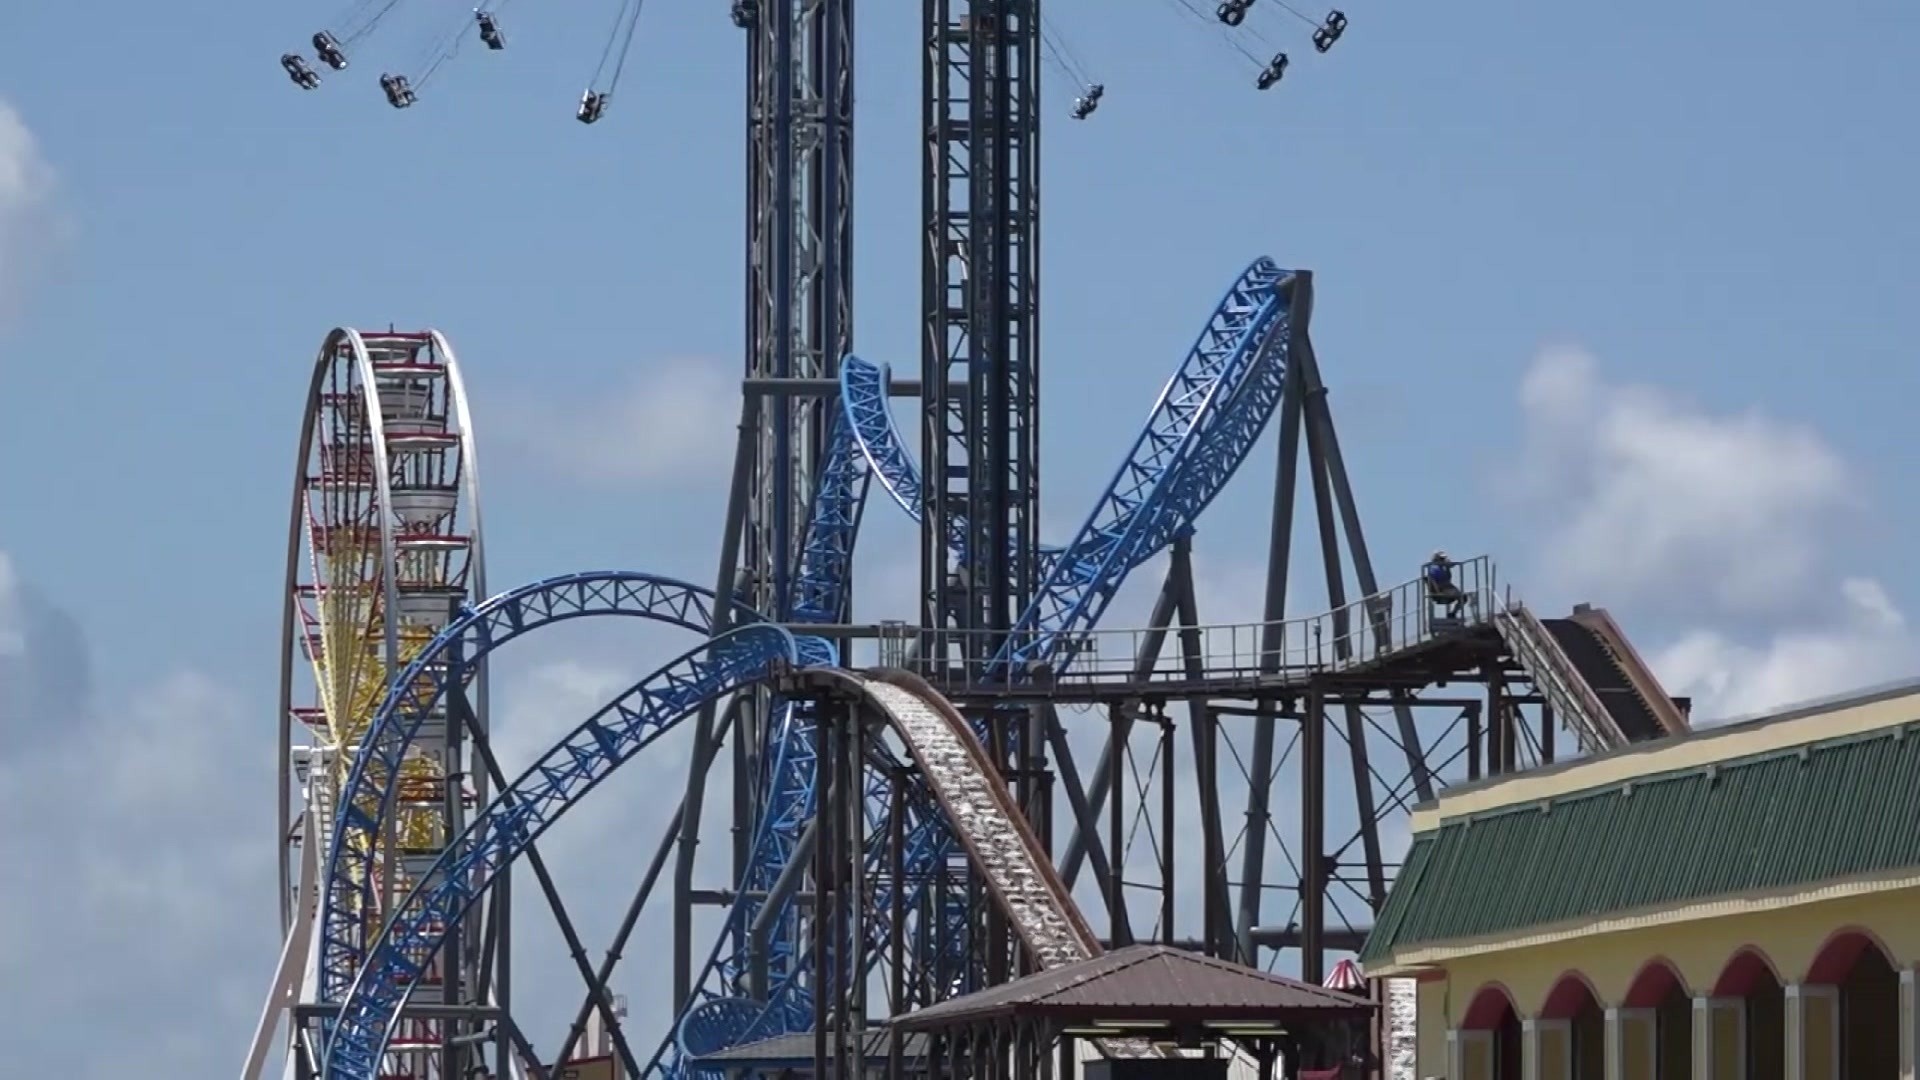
1054, 46
619, 44
1234, 40
356, 34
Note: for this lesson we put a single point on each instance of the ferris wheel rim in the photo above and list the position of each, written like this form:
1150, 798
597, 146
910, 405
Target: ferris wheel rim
290, 824
299, 543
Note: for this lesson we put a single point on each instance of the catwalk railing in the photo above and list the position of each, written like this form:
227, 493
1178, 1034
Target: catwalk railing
1368, 632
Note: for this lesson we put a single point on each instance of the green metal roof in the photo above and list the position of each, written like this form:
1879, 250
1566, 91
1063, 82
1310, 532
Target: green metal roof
1798, 816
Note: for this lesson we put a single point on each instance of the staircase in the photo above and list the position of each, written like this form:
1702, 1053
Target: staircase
1589, 672
1539, 652
1657, 713
1607, 678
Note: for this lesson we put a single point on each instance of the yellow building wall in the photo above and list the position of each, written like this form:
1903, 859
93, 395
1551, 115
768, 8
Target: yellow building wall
1641, 1053
1431, 1027
1556, 1053
1820, 1041
1476, 1058
1727, 1044
1698, 950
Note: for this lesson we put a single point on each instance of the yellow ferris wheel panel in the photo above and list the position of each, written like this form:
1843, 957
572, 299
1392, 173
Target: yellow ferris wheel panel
384, 547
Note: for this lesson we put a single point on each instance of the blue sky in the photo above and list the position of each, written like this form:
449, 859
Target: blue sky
1620, 294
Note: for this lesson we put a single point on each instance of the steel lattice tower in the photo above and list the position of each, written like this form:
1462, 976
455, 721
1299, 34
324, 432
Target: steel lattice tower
821, 886
981, 305
980, 205
799, 323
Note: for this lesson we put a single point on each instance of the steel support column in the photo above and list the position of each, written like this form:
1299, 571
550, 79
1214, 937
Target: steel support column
1313, 838
980, 299
463, 719
1279, 555
799, 325
1218, 918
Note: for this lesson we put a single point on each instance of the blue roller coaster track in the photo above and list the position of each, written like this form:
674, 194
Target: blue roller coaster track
1201, 428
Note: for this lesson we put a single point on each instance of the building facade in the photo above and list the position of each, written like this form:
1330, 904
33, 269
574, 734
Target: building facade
1742, 902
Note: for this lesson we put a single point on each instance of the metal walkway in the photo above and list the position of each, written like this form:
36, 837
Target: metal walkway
1369, 633
1582, 664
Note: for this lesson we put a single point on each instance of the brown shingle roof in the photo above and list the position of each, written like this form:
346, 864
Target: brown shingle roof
1146, 982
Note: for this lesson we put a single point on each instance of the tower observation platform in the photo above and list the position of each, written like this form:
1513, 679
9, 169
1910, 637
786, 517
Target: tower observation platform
1581, 666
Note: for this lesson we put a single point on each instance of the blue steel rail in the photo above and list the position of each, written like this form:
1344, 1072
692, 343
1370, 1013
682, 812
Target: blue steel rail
1199, 431
468, 867
451, 658
1203, 424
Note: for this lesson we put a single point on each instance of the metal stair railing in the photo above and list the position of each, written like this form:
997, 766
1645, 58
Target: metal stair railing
1370, 630
1579, 707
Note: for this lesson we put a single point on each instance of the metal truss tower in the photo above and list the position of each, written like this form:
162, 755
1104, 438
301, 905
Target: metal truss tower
980, 367
799, 324
878, 815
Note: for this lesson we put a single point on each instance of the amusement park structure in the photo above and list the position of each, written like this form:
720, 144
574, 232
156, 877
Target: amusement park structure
907, 831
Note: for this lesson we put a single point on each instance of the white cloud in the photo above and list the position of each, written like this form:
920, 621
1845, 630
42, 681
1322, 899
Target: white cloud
546, 703
1869, 642
26, 193
13, 629
44, 667
1645, 497
1705, 522
676, 421
149, 869
146, 830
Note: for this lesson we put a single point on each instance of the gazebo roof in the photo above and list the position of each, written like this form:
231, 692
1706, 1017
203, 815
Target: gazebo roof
1146, 983
796, 1050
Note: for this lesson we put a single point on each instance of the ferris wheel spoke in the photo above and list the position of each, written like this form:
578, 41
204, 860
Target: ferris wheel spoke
384, 549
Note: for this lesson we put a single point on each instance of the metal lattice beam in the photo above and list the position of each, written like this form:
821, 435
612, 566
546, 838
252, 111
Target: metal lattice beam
980, 300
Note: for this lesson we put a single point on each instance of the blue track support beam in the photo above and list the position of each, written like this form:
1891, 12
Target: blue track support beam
1178, 464
799, 254
1201, 428
348, 903
532, 803
863, 390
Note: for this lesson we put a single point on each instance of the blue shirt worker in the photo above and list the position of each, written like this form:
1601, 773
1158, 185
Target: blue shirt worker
1441, 590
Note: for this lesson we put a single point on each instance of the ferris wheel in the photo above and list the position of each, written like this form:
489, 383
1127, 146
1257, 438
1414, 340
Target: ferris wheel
383, 549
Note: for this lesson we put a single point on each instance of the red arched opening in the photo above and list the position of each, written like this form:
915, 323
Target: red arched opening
1654, 984
1492, 1011
1750, 976
1857, 962
1573, 1000
1659, 987
1490, 1005
1745, 971
1841, 953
